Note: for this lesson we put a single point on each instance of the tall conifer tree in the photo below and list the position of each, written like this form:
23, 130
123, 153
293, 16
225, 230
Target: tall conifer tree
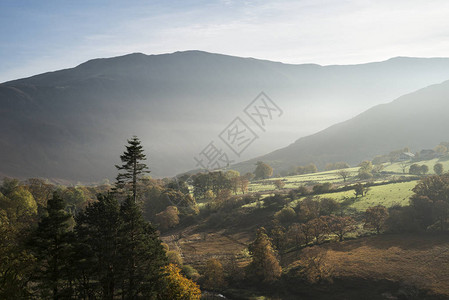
133, 167
51, 245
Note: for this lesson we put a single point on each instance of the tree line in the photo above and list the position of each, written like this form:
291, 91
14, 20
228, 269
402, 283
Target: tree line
106, 250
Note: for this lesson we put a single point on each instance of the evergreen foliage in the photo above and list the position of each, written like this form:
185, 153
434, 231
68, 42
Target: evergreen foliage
133, 167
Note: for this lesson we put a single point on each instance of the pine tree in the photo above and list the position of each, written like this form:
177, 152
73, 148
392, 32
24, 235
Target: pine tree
123, 255
97, 232
141, 252
132, 166
51, 245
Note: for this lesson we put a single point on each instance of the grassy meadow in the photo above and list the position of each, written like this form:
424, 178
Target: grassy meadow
387, 195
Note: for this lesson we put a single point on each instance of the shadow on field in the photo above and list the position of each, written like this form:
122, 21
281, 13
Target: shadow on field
419, 241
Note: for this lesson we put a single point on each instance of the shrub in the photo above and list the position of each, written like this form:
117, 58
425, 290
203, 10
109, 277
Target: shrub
190, 272
277, 200
285, 215
322, 188
168, 218
174, 258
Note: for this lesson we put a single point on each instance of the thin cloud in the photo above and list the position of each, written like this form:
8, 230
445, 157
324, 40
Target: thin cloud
324, 32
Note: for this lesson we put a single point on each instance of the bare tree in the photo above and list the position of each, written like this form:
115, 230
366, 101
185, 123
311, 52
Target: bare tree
343, 174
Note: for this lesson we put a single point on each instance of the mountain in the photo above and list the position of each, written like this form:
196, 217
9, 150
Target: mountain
417, 120
73, 124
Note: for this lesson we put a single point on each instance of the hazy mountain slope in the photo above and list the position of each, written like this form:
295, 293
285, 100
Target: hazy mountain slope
72, 124
418, 120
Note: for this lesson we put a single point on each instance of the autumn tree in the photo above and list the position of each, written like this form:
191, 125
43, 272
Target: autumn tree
132, 166
214, 275
263, 170
340, 226
264, 264
295, 235
249, 176
168, 218
175, 286
328, 206
277, 234
234, 180
307, 232
375, 217
243, 184
314, 267
308, 209
318, 228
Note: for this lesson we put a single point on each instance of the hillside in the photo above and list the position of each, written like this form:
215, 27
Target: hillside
71, 124
416, 120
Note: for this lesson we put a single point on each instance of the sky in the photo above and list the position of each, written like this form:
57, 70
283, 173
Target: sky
44, 35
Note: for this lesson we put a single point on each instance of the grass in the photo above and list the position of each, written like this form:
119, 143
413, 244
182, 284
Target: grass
386, 195
397, 167
299, 180
419, 260
333, 177
196, 248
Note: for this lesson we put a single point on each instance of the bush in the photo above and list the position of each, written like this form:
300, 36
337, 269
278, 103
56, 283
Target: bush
174, 258
190, 272
301, 191
168, 218
401, 219
328, 206
322, 188
365, 175
277, 200
285, 215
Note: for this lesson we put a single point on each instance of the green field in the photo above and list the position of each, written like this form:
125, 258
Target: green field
387, 195
299, 180
397, 167
332, 176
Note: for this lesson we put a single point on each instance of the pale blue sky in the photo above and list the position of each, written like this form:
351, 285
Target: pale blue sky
38, 36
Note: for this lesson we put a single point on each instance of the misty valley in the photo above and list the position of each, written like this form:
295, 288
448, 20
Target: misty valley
224, 150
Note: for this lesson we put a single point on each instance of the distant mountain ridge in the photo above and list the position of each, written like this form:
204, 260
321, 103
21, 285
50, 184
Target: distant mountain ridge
73, 124
417, 120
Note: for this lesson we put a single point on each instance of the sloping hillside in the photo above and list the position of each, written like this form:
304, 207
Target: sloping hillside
72, 124
416, 120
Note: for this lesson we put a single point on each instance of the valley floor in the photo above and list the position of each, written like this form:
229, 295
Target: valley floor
386, 266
